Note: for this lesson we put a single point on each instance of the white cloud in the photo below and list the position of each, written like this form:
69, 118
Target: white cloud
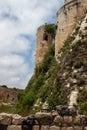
19, 20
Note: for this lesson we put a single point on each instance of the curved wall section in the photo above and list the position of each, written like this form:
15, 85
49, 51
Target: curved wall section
67, 18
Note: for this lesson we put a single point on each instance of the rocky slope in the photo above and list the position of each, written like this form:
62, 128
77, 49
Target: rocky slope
60, 82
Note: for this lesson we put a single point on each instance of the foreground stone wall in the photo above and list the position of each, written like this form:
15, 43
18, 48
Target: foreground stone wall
67, 18
48, 121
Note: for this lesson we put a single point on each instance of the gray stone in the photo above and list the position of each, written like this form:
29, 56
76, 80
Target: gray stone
44, 118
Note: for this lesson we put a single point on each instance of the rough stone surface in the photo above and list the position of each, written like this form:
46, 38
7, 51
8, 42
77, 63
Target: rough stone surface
44, 118
54, 128
14, 127
36, 127
78, 128
58, 120
68, 120
9, 95
77, 120
85, 128
17, 119
67, 18
45, 128
5, 119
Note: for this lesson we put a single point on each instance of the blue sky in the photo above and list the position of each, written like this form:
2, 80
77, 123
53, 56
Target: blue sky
19, 20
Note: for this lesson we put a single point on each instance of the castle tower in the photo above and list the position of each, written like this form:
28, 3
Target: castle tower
44, 40
67, 18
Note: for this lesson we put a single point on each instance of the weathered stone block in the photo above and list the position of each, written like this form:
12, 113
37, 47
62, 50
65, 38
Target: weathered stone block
85, 128
17, 119
64, 128
67, 128
36, 127
78, 128
5, 119
77, 120
14, 127
83, 120
45, 127
44, 118
54, 128
58, 120
68, 120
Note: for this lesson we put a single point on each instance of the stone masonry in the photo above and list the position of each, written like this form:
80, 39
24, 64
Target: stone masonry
44, 40
67, 18
48, 121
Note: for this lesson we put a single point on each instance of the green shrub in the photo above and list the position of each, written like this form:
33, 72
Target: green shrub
50, 28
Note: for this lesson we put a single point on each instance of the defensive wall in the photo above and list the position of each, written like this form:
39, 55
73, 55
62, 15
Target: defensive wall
67, 18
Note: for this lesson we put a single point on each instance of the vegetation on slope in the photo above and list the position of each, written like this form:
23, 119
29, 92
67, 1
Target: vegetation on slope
53, 81
43, 85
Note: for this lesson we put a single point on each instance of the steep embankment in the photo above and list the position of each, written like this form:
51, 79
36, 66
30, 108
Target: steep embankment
55, 83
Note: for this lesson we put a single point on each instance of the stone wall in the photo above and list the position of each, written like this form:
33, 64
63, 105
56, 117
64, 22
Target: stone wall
48, 121
67, 18
44, 40
9, 95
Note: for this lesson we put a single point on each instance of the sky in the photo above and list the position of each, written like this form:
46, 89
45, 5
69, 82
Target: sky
19, 20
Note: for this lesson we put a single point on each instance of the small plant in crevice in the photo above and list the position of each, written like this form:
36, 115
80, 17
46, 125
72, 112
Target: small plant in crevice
82, 102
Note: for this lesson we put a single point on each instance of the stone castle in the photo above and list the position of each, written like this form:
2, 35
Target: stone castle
67, 18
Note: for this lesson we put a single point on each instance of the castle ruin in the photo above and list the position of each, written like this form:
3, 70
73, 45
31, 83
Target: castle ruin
67, 18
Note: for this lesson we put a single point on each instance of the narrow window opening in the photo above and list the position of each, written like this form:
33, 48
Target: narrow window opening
45, 37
